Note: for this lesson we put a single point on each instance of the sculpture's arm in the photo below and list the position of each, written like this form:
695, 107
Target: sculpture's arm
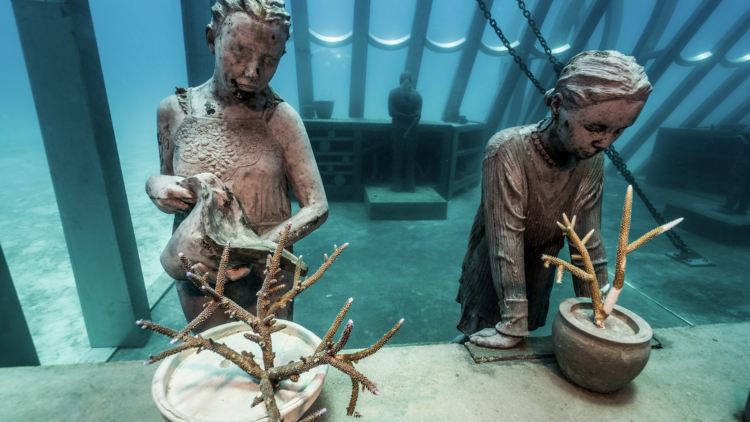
589, 217
504, 196
164, 189
301, 171
417, 115
392, 107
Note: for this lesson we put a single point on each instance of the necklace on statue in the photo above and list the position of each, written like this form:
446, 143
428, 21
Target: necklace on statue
540, 147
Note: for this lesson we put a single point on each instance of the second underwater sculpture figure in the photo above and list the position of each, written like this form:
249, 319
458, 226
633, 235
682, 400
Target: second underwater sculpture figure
405, 109
530, 176
234, 147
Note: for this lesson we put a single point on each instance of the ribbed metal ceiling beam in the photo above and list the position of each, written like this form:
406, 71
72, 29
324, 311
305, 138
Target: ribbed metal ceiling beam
466, 63
418, 38
687, 86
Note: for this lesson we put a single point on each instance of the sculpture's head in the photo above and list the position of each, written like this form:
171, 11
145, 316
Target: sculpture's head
599, 94
405, 76
248, 39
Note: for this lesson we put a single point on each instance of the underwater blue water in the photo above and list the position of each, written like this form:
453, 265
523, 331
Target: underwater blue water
142, 56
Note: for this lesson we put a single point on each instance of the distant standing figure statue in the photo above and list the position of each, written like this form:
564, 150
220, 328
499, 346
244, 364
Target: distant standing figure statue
739, 193
232, 147
405, 109
533, 174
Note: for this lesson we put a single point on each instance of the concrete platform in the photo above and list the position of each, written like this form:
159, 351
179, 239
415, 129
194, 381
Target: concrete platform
701, 219
425, 204
702, 373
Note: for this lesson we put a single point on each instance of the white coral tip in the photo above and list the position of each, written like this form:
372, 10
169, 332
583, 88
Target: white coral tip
173, 341
181, 254
671, 224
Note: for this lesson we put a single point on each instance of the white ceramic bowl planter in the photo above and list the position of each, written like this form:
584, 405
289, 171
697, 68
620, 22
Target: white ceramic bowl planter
205, 387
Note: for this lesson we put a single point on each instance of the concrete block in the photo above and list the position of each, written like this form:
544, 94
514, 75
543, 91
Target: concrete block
701, 219
424, 204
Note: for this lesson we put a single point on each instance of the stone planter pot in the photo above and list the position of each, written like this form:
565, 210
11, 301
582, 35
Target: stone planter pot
602, 360
323, 108
205, 387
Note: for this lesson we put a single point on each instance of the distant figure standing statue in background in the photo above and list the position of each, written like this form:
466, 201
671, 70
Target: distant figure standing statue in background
533, 174
739, 193
405, 109
230, 151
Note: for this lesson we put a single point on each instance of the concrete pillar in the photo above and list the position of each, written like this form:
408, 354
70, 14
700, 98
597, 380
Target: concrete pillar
196, 14
360, 45
66, 79
303, 57
18, 348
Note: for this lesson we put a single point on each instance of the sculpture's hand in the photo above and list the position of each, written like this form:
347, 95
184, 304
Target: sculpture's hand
234, 273
490, 337
169, 194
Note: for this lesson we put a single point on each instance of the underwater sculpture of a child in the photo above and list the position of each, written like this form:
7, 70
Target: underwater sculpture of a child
533, 174
236, 128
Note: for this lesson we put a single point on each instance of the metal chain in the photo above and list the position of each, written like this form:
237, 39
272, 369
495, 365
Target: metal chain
611, 152
558, 66
511, 50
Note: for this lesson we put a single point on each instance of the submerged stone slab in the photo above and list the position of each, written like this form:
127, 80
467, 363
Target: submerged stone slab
424, 204
702, 219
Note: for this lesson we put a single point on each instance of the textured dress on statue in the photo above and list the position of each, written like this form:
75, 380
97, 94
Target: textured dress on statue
236, 152
504, 283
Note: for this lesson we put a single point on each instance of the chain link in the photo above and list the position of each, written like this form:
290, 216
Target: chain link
558, 66
511, 50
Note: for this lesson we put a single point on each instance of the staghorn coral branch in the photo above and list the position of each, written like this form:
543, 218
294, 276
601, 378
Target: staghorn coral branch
353, 399
266, 390
212, 306
309, 281
622, 243
315, 415
602, 311
650, 235
587, 237
356, 357
156, 328
168, 353
596, 299
221, 277
344, 338
348, 369
583, 275
264, 324
559, 276
335, 326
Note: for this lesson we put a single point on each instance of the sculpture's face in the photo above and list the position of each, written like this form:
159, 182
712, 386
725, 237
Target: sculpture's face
586, 131
247, 53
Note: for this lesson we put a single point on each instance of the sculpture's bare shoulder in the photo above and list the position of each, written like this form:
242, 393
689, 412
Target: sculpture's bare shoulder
286, 125
170, 113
